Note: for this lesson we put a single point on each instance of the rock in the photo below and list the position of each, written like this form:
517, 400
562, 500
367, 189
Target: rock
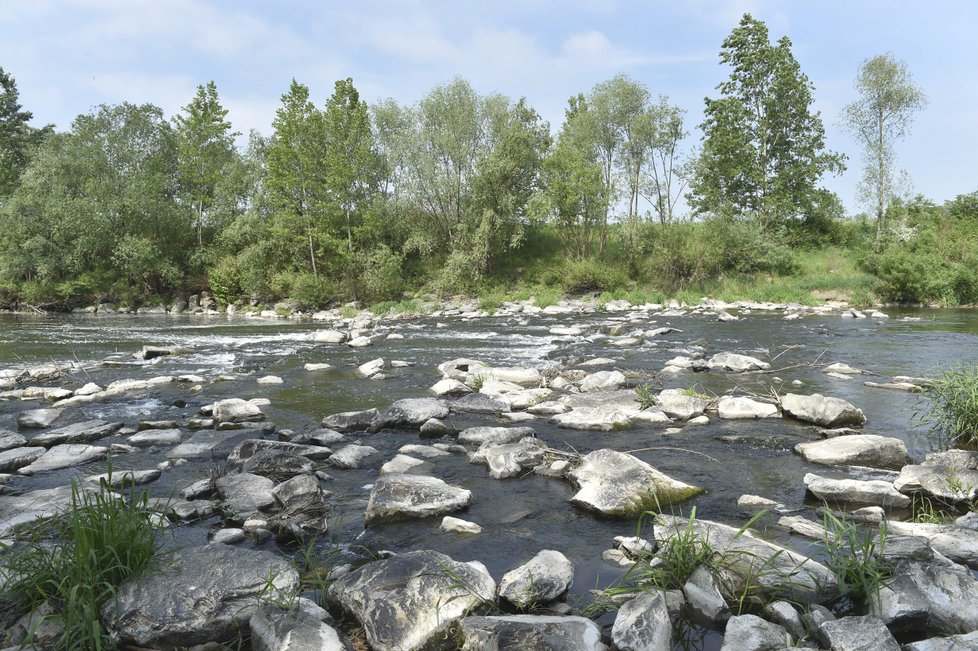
269, 379
949, 595
196, 595
303, 508
410, 600
277, 465
321, 366
423, 451
329, 337
155, 437
38, 418
676, 404
538, 632
866, 633
737, 363
900, 605
733, 408
360, 342
201, 444
960, 544
751, 633
754, 503
64, 456
527, 377
856, 450
372, 367
16, 458
601, 419
459, 369
642, 624
544, 578
548, 408
603, 380
410, 412
124, 478
851, 491
244, 494
803, 527
750, 558
956, 459
19, 510
349, 421
617, 484
402, 496
10, 440
229, 536
456, 525
704, 599
350, 456
84, 432
785, 615
945, 483
236, 410
479, 403
510, 459
908, 387
250, 447
402, 463
821, 410
964, 642
494, 435
450, 387
434, 427
274, 629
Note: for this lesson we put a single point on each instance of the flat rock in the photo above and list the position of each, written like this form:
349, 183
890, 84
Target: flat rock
867, 633
494, 435
963, 642
236, 410
84, 432
65, 456
274, 629
602, 381
544, 578
201, 443
349, 421
480, 403
277, 465
857, 450
538, 632
735, 408
19, 510
244, 493
10, 440
960, 544
197, 595
38, 418
947, 483
852, 491
124, 478
457, 525
250, 447
404, 496
617, 484
677, 404
737, 363
751, 633
351, 455
510, 459
153, 437
408, 601
599, 419
15, 458
642, 624
527, 377
822, 410
409, 413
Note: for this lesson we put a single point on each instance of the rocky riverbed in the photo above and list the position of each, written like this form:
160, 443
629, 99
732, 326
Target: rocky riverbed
468, 480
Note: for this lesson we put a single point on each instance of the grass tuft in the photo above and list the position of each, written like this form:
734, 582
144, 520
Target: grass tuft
950, 407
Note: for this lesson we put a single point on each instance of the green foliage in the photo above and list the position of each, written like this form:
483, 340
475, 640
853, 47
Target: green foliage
17, 137
646, 396
382, 278
950, 407
304, 288
856, 558
103, 540
592, 275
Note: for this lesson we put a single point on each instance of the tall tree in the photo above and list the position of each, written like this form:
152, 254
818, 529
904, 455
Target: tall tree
665, 176
16, 135
763, 147
888, 99
205, 150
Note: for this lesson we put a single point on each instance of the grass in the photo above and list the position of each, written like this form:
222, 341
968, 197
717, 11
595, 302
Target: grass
855, 557
950, 407
406, 306
646, 395
491, 299
103, 540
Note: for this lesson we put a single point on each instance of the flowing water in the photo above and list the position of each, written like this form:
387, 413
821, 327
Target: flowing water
519, 516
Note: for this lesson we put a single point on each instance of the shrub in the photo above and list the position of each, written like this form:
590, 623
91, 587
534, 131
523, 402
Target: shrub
950, 407
581, 276
304, 288
382, 279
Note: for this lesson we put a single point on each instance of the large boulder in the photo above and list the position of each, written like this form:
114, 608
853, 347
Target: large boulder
409, 601
349, 421
244, 494
15, 458
538, 632
397, 496
943, 482
544, 578
196, 595
509, 459
303, 508
617, 484
24, 509
737, 363
867, 633
642, 624
236, 410
84, 432
350, 456
65, 456
602, 381
852, 491
822, 410
680, 404
410, 412
274, 629
857, 450
277, 465
960, 544
202, 443
751, 633
494, 435
740, 407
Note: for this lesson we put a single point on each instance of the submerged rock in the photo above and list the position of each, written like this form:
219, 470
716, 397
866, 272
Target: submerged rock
401, 496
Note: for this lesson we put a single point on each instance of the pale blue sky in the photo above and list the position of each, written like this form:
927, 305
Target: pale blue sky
70, 55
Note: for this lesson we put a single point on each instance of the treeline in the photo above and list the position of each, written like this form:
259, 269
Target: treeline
457, 193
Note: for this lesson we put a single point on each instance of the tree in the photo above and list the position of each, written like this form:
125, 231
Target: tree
665, 176
205, 150
888, 99
763, 148
17, 137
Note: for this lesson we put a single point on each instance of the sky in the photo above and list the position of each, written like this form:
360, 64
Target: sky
69, 56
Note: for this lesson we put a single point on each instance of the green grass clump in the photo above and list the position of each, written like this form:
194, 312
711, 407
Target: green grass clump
406, 306
950, 407
856, 558
103, 540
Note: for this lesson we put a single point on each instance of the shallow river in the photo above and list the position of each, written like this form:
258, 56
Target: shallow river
519, 516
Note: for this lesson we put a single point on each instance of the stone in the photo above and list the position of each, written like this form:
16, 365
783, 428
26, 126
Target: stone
867, 633
409, 601
269, 379
329, 337
10, 440
735, 408
202, 443
250, 447
404, 496
402, 463
274, 629
409, 413
479, 403
457, 525
821, 410
89, 389
277, 465
494, 435
754, 503
602, 381
548, 408
37, 418
643, 624
236, 410
751, 633
316, 366
434, 427
527, 377
84, 432
349, 421
229, 536
154, 437
786, 616
450, 387
538, 632
677, 404
423, 451
704, 599
16, 458
963, 642
737, 363
601, 419
24, 509
544, 578
195, 595
941, 482
857, 450
852, 491
959, 544
350, 456
303, 509
244, 494
510, 459
900, 604
64, 456
124, 478
617, 484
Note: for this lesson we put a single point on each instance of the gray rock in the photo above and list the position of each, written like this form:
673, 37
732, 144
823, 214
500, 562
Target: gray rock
197, 595
600, 419
675, 404
544, 578
351, 455
643, 624
950, 595
11, 460
243, 494
350, 421
851, 491
537, 632
410, 413
450, 387
201, 443
617, 484
303, 509
942, 482
65, 456
494, 435
821, 410
510, 459
229, 536
434, 428
457, 525
900, 604
274, 629
402, 463
785, 615
277, 465
408, 601
152, 437
236, 410
960, 544
10, 440
866, 633
19, 510
479, 403
250, 447
602, 381
957, 459
123, 478
401, 496
329, 337
737, 363
84, 432
704, 599
739, 407
751, 633
38, 418
856, 450
965, 642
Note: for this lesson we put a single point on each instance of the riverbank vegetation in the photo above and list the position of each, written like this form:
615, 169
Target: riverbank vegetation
474, 193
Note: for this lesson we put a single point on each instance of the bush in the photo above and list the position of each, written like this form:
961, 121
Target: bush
224, 279
382, 278
578, 277
304, 288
